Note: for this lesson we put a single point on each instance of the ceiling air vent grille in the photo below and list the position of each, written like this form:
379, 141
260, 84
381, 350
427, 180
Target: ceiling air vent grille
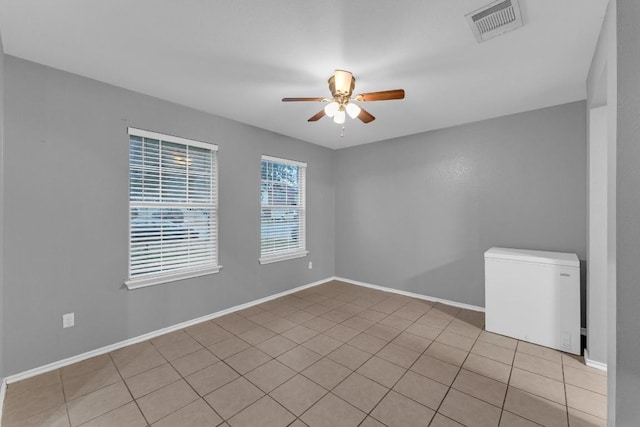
495, 19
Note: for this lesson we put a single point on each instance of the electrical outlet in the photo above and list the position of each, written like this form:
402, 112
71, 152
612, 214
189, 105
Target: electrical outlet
68, 320
310, 265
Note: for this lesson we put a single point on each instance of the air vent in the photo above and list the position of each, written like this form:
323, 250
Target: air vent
495, 19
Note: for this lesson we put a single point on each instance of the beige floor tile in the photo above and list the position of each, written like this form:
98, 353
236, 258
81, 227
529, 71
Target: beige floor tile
349, 308
358, 323
398, 411
266, 412
412, 342
97, 403
577, 362
481, 387
336, 316
31, 401
460, 327
86, 366
37, 382
396, 322
233, 397
207, 333
446, 353
300, 317
360, 391
326, 373
434, 321
421, 389
275, 346
298, 394
368, 343
331, 411
342, 333
349, 356
473, 317
487, 367
469, 411
381, 371
137, 358
76, 386
371, 422
535, 408
247, 360
581, 419
587, 401
300, 334
538, 365
125, 416
538, 385
162, 402
322, 344
455, 340
435, 369
235, 324
152, 380
500, 340
319, 324
540, 351
585, 379
318, 309
187, 365
228, 347
424, 331
398, 355
208, 379
175, 345
493, 351
512, 420
270, 375
372, 315
299, 358
250, 311
263, 317
196, 414
385, 333
256, 335
53, 417
440, 420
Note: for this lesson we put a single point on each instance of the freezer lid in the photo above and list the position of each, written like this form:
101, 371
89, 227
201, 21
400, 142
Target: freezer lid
540, 257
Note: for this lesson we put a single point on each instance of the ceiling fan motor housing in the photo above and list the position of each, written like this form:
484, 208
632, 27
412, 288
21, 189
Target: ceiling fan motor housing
341, 84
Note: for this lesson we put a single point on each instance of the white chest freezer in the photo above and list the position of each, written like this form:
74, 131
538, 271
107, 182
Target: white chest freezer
534, 296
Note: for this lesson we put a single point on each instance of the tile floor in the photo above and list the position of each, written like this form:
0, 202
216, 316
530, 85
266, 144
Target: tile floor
332, 355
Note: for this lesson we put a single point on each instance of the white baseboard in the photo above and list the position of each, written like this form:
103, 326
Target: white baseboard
412, 294
135, 340
3, 390
593, 363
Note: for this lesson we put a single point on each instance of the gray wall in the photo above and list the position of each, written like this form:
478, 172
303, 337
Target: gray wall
417, 213
1, 200
66, 216
628, 215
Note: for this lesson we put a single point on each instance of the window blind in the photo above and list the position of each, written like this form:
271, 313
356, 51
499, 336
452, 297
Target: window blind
172, 207
282, 213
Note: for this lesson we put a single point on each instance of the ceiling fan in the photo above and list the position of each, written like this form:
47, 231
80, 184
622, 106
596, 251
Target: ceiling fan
341, 85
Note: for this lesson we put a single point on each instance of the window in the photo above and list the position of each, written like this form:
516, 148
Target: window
282, 209
173, 219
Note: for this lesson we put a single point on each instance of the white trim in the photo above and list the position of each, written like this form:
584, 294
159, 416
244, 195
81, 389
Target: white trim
170, 138
412, 294
269, 260
135, 340
281, 160
592, 363
3, 392
172, 277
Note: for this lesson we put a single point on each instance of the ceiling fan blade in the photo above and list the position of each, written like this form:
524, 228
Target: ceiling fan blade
384, 95
302, 99
320, 114
365, 116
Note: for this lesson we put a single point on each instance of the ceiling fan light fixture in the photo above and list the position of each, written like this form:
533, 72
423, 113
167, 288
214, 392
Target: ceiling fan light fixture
343, 83
339, 117
353, 110
331, 109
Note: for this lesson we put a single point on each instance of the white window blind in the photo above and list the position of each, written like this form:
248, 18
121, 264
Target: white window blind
282, 213
172, 208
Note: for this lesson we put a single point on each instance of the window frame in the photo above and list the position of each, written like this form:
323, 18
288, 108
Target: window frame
185, 272
301, 251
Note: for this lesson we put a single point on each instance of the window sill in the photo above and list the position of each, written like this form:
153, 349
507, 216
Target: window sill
158, 280
278, 258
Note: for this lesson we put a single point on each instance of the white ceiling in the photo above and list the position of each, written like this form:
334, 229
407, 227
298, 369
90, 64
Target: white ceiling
238, 58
